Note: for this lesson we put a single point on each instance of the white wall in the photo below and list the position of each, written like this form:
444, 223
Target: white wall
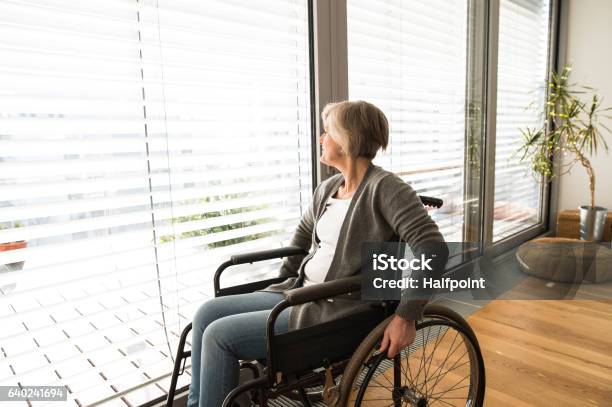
589, 50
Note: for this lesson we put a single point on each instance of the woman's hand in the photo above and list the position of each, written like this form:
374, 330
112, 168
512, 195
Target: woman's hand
399, 333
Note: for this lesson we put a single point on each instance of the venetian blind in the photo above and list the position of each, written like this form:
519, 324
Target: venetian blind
522, 72
409, 59
141, 142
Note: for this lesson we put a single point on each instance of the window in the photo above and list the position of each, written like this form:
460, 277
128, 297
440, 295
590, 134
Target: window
522, 73
141, 142
410, 59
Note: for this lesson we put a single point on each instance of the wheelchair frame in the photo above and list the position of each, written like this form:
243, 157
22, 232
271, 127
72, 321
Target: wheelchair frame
270, 385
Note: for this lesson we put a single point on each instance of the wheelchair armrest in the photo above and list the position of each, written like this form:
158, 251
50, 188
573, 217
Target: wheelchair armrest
324, 290
252, 257
267, 255
248, 287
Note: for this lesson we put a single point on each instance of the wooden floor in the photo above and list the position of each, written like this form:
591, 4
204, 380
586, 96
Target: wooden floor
548, 353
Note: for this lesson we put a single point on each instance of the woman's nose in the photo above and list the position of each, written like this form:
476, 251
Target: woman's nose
321, 138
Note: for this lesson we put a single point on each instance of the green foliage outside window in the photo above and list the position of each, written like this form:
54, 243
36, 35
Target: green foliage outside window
221, 228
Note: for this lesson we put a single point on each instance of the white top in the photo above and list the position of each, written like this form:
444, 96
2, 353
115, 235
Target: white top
328, 231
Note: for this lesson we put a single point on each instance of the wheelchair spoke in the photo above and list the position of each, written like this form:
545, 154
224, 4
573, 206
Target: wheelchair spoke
455, 388
408, 373
388, 387
425, 359
414, 380
385, 377
439, 367
450, 352
435, 373
383, 385
442, 398
431, 357
424, 349
453, 367
443, 374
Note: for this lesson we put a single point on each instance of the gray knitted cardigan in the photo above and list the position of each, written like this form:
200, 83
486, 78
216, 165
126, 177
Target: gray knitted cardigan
383, 208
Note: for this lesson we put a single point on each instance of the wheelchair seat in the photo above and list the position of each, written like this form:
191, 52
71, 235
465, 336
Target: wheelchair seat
305, 349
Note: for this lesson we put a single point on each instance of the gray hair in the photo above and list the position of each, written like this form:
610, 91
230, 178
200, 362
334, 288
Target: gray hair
360, 128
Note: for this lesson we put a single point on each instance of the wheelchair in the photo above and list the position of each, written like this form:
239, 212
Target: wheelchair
338, 362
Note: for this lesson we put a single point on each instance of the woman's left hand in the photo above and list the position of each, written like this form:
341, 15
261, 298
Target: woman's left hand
399, 334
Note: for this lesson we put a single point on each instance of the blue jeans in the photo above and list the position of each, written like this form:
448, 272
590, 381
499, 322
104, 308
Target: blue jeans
226, 330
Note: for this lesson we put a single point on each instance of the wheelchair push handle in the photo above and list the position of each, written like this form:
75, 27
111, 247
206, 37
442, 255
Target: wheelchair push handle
431, 201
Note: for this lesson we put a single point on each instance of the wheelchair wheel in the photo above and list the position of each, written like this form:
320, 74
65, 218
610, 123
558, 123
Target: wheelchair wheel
442, 367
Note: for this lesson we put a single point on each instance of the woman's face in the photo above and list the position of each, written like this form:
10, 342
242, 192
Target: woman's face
331, 152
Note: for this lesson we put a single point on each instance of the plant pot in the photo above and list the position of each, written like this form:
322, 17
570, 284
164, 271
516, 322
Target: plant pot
592, 221
4, 247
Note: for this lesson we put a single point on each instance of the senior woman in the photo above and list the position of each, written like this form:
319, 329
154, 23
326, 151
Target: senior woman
362, 203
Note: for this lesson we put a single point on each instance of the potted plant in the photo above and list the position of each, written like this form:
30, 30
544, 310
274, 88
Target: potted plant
573, 127
21, 244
